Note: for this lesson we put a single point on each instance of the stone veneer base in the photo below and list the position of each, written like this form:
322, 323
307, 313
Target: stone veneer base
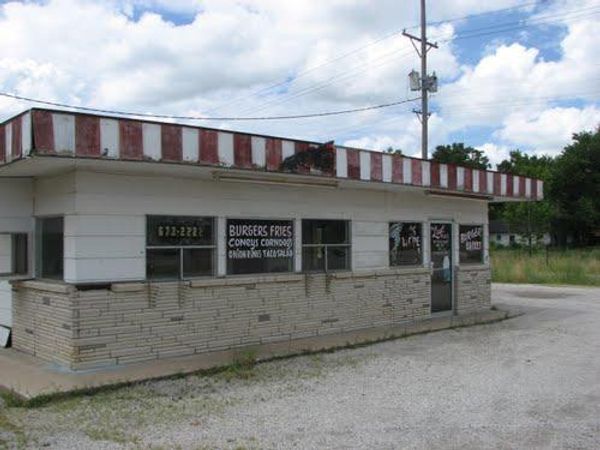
135, 322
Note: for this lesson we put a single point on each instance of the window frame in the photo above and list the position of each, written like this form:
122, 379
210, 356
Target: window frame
326, 247
180, 249
421, 236
482, 259
13, 274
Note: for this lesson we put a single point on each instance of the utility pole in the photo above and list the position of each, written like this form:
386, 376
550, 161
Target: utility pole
422, 81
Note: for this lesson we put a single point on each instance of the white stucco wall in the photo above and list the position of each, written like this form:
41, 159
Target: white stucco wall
16, 205
55, 195
105, 216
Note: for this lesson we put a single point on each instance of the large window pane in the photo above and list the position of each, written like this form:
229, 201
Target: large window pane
338, 258
162, 264
313, 259
198, 262
325, 232
51, 247
259, 246
326, 245
179, 247
471, 244
20, 253
14, 255
405, 244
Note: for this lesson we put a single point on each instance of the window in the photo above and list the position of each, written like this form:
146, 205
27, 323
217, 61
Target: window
20, 254
50, 253
471, 244
325, 245
179, 247
498, 237
405, 244
259, 246
14, 254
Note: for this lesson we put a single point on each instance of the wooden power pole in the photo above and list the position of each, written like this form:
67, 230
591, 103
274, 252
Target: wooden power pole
426, 83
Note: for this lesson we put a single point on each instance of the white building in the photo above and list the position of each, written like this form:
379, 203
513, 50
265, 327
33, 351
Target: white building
503, 235
129, 240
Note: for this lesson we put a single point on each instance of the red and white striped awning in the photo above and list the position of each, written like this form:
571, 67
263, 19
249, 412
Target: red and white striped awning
58, 133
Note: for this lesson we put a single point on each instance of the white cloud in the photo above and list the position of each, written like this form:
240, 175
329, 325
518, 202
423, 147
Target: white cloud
95, 52
495, 153
402, 131
513, 89
550, 130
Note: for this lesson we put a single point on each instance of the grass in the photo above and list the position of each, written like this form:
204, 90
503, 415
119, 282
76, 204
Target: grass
568, 267
7, 427
110, 435
241, 368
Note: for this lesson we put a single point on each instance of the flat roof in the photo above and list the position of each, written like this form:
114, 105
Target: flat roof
41, 133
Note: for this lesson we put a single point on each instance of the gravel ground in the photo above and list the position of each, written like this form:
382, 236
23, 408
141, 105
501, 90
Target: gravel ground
529, 382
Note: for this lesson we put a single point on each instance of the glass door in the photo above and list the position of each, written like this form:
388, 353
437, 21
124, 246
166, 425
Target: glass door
441, 263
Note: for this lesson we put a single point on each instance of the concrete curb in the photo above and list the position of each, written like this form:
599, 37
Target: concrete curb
34, 381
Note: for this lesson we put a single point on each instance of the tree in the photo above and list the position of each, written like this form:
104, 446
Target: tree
457, 153
575, 187
393, 151
533, 166
533, 219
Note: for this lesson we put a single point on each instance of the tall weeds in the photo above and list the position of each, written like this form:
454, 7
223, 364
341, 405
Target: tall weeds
576, 267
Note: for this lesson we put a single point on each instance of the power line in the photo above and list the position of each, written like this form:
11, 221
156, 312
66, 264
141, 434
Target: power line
513, 25
462, 109
358, 49
470, 16
172, 117
309, 70
307, 90
331, 80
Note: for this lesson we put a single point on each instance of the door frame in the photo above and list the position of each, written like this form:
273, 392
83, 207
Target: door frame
453, 228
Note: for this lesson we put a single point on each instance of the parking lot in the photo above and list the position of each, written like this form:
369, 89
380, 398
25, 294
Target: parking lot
529, 382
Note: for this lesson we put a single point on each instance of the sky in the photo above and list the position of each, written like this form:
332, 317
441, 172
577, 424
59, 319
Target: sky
512, 74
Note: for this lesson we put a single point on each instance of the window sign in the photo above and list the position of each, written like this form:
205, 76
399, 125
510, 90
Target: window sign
169, 231
259, 246
405, 244
440, 237
471, 244
179, 247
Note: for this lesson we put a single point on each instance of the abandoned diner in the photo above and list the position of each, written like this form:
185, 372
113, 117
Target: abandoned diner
124, 240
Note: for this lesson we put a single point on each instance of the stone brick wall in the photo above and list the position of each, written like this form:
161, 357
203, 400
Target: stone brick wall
129, 322
124, 323
474, 289
43, 320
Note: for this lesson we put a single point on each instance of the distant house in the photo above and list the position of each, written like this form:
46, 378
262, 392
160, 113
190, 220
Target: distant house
503, 235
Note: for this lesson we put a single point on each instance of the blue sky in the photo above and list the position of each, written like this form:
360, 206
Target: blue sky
513, 74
